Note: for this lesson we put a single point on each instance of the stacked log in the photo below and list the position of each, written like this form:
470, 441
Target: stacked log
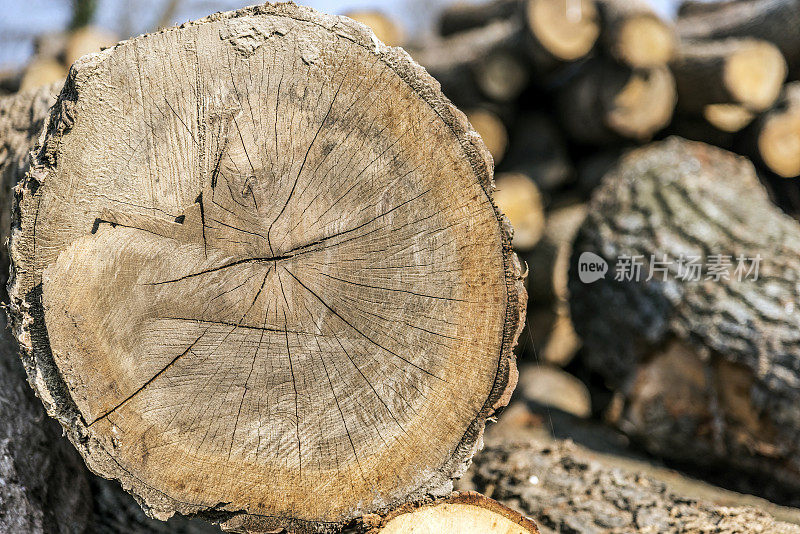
702, 273
202, 328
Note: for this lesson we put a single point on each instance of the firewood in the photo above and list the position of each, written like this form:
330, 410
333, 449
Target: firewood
728, 117
537, 149
492, 130
559, 30
747, 72
606, 102
286, 274
565, 487
87, 40
518, 197
462, 513
549, 260
42, 72
488, 62
698, 223
775, 137
385, 28
777, 21
634, 34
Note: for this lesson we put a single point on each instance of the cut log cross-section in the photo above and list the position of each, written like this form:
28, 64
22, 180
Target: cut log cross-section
259, 275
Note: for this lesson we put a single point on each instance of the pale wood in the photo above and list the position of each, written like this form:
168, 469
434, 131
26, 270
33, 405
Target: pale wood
634, 34
606, 102
747, 72
492, 131
519, 199
386, 29
558, 30
777, 134
460, 513
728, 117
258, 274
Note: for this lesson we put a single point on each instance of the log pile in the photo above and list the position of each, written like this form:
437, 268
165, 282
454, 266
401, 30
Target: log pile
237, 189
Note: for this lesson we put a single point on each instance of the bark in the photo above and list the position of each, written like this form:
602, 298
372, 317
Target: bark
607, 102
487, 62
538, 149
21, 119
777, 21
747, 72
634, 34
463, 16
566, 489
553, 34
43, 484
705, 364
291, 223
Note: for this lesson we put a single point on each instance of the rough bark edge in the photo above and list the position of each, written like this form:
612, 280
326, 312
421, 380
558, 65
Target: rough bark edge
376, 523
45, 378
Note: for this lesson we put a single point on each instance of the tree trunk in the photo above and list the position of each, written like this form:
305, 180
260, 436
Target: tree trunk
634, 34
704, 358
567, 489
777, 21
205, 282
747, 72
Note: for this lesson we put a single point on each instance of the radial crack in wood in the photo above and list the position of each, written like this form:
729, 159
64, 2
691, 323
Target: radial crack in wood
258, 274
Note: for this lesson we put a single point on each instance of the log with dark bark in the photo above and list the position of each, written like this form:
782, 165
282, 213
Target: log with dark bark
774, 138
634, 34
569, 490
747, 72
488, 62
607, 102
537, 149
777, 21
557, 30
302, 280
703, 355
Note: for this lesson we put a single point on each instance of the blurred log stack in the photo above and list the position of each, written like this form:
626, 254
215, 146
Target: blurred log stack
560, 90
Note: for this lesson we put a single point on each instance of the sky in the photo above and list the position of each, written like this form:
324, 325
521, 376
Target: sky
22, 20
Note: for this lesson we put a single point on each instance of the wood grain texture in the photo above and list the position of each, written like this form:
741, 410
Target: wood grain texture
258, 273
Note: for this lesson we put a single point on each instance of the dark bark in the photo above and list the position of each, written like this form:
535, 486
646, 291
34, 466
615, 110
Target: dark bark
567, 490
706, 369
777, 21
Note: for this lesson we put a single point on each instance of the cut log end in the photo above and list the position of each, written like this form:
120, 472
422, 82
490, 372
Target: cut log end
645, 41
385, 29
755, 73
779, 144
728, 117
492, 131
519, 198
462, 513
302, 280
643, 105
568, 30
